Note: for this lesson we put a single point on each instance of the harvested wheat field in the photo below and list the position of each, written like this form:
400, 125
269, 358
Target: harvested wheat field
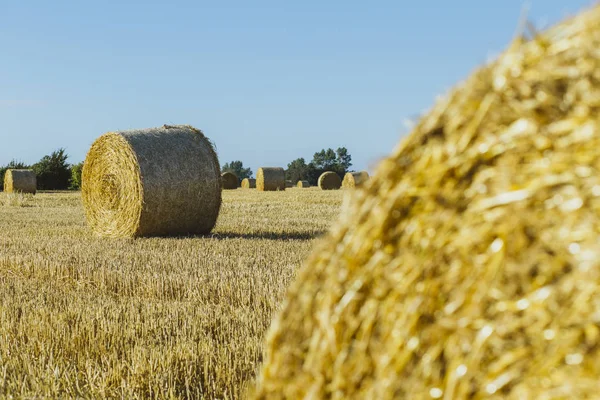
86, 317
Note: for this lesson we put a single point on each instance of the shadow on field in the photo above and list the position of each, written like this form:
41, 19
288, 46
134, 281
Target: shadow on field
268, 235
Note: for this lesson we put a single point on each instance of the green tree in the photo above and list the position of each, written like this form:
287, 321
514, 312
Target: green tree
325, 159
14, 164
338, 161
75, 181
344, 160
297, 170
52, 171
237, 167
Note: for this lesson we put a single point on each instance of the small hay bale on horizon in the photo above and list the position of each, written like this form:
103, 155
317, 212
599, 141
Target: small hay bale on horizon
270, 179
329, 181
229, 180
355, 179
469, 267
151, 182
248, 183
20, 181
303, 184
289, 184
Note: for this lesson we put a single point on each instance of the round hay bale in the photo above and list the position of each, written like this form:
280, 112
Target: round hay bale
248, 183
329, 181
303, 184
229, 180
289, 184
20, 181
152, 182
469, 267
270, 179
354, 179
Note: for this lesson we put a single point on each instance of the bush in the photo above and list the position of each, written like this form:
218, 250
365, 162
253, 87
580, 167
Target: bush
75, 181
53, 172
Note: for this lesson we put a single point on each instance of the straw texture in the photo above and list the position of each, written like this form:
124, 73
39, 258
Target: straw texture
229, 180
20, 181
469, 267
303, 184
158, 181
270, 179
329, 181
354, 179
248, 183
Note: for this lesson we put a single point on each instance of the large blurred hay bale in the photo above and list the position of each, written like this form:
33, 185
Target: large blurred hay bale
270, 179
20, 181
354, 179
329, 181
470, 265
248, 183
303, 184
229, 180
158, 181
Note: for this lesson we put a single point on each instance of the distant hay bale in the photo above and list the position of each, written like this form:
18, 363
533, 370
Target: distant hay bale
152, 182
20, 181
270, 179
354, 179
303, 184
289, 184
249, 183
229, 180
329, 181
469, 267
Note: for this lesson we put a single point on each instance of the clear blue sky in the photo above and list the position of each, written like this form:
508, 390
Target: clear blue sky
267, 82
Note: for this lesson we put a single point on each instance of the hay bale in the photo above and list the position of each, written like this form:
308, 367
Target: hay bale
470, 265
20, 181
289, 184
354, 179
229, 180
303, 184
270, 178
158, 181
329, 181
248, 183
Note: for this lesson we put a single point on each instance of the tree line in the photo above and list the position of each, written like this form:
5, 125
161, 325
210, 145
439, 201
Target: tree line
55, 173
338, 161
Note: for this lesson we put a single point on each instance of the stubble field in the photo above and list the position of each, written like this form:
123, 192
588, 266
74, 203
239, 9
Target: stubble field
87, 317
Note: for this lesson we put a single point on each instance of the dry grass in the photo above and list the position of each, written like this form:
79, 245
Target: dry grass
151, 182
248, 183
329, 181
20, 181
354, 179
87, 317
229, 180
270, 179
15, 199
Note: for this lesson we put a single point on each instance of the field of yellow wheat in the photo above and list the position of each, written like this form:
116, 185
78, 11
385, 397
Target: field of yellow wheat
82, 316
